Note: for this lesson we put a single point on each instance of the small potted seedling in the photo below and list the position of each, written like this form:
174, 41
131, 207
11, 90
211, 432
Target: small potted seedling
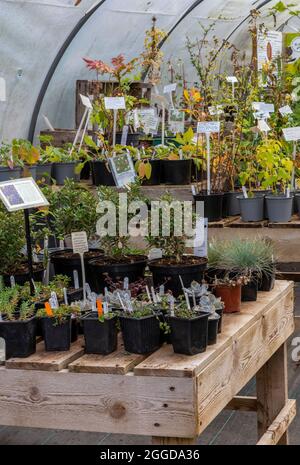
189, 329
100, 330
56, 324
9, 164
230, 292
17, 324
140, 327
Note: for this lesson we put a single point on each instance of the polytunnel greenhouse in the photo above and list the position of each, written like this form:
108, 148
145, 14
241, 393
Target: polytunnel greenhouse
149, 225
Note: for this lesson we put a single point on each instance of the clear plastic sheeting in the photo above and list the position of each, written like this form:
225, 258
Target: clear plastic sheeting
33, 32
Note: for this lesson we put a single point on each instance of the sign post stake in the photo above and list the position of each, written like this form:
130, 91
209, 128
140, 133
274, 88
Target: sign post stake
163, 126
208, 162
29, 250
294, 159
115, 127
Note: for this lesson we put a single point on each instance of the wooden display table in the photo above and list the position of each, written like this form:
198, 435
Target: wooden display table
170, 397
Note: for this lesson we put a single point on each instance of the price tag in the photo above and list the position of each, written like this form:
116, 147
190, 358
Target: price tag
80, 242
285, 110
114, 103
2, 90
86, 102
170, 88
208, 127
291, 134
263, 126
232, 79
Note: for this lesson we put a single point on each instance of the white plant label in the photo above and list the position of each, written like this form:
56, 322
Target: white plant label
232, 79
76, 279
261, 115
170, 88
48, 124
286, 110
291, 134
262, 106
245, 193
155, 254
193, 189
86, 102
263, 126
80, 242
124, 135
206, 127
114, 103
2, 90
201, 247
217, 110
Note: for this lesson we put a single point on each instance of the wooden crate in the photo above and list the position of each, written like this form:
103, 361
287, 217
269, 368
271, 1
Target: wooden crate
61, 137
168, 396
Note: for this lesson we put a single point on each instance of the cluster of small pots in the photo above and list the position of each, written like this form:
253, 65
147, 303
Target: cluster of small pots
262, 206
44, 173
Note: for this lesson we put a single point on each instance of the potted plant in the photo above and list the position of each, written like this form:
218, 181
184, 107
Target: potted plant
12, 241
140, 328
189, 330
276, 172
17, 324
100, 332
119, 259
72, 209
65, 165
148, 167
9, 165
174, 263
99, 155
176, 164
28, 156
252, 205
229, 290
56, 325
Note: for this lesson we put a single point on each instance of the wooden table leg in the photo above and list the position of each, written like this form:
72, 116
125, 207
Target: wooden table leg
173, 441
272, 391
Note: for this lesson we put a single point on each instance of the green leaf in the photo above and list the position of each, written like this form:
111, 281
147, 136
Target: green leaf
79, 168
280, 7
89, 142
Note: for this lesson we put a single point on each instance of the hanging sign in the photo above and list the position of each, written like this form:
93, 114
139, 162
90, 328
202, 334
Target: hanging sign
114, 103
21, 194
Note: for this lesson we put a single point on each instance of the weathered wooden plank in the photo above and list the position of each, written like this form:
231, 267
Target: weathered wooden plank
244, 404
99, 403
280, 425
272, 391
297, 323
249, 224
293, 224
173, 441
165, 363
224, 223
47, 361
242, 359
119, 362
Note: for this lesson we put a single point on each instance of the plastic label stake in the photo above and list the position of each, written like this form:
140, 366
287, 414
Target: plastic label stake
208, 127
245, 193
66, 296
99, 308
48, 309
76, 279
12, 281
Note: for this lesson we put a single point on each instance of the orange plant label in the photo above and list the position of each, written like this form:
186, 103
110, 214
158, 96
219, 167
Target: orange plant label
99, 307
48, 309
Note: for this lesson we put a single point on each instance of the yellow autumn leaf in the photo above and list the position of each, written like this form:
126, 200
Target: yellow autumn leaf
142, 170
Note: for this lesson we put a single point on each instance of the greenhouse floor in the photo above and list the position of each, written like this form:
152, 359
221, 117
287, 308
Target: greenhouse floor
238, 428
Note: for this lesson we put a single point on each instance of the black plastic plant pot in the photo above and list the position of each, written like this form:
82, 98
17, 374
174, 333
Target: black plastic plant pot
6, 173
168, 274
74, 329
44, 173
189, 337
57, 337
22, 278
101, 176
213, 205
29, 171
165, 337
132, 138
100, 337
252, 209
176, 172
249, 291
279, 208
266, 282
63, 171
213, 329
99, 269
85, 173
220, 312
65, 262
19, 336
155, 178
231, 204
140, 335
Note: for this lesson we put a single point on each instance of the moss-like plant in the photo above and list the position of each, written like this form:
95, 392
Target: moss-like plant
12, 241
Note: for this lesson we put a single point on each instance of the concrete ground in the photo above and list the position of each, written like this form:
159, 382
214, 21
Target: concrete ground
238, 428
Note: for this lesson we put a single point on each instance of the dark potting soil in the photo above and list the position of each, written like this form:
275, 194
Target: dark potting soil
24, 269
120, 260
185, 260
88, 255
